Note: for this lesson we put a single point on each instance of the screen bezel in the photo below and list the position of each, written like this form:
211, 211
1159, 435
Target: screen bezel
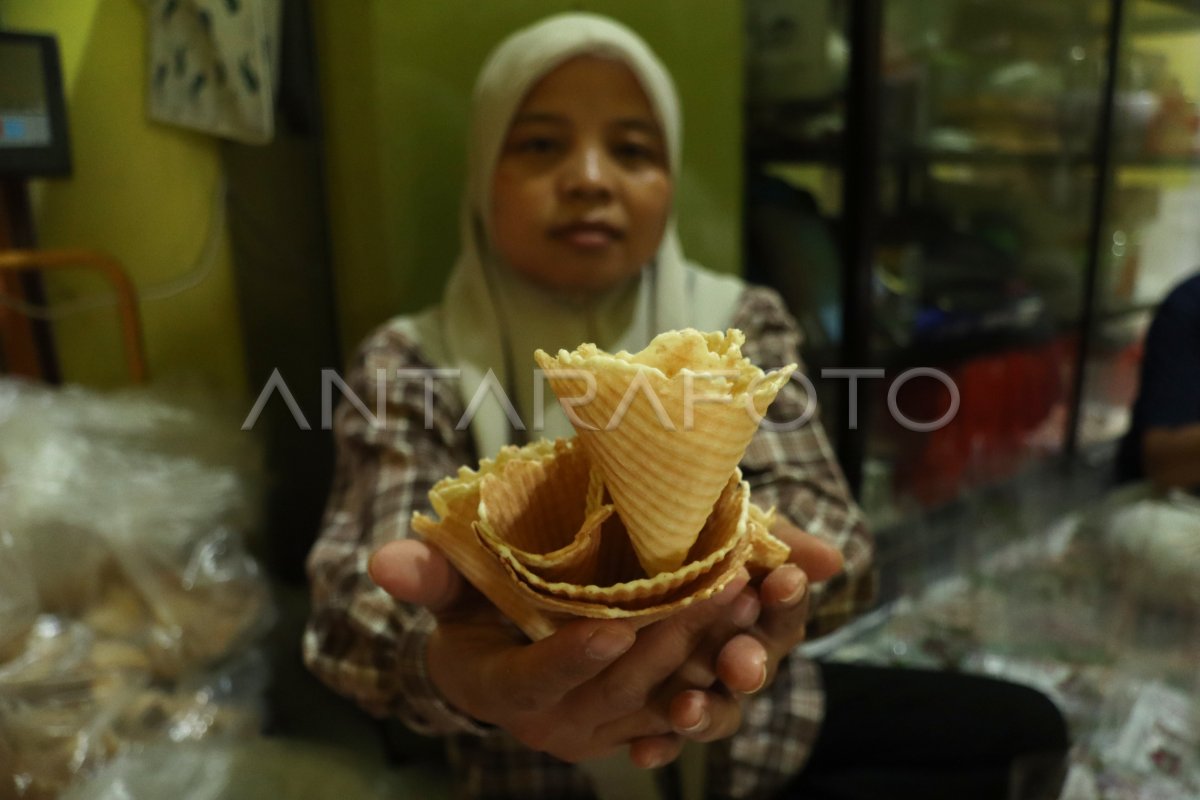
48, 160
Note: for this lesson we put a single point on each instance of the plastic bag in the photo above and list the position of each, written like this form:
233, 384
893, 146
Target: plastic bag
1155, 538
256, 769
54, 647
1145, 747
55, 730
200, 604
128, 601
18, 595
224, 704
74, 700
147, 491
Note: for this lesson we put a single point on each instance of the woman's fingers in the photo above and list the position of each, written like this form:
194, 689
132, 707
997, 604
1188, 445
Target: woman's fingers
414, 572
743, 665
660, 651
705, 716
694, 714
784, 595
783, 587
486, 670
819, 559
651, 752
747, 662
601, 670
700, 669
536, 676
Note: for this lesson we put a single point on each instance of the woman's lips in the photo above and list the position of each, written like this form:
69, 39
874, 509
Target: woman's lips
587, 235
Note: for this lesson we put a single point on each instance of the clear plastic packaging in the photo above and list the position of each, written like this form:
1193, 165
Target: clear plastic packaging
18, 598
1154, 537
222, 770
152, 497
1099, 611
53, 731
129, 605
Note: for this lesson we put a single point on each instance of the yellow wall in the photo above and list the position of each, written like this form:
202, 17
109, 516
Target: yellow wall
141, 191
395, 79
1182, 52
1181, 48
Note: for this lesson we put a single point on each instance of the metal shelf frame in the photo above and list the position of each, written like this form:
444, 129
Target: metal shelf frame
861, 156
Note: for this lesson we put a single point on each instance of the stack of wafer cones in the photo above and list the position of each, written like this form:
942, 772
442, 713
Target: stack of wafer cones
643, 513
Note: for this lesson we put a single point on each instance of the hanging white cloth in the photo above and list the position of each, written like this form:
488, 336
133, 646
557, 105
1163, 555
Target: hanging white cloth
213, 65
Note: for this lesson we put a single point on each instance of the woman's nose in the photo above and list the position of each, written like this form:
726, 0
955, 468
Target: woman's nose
588, 173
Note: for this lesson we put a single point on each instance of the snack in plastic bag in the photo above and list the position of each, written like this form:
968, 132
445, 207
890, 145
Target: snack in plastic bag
144, 633
18, 595
152, 495
55, 731
262, 768
1156, 539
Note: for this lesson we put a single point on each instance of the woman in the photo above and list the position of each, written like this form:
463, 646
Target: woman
567, 237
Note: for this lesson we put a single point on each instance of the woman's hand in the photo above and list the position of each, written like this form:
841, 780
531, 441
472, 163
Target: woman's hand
746, 662
594, 686
583, 692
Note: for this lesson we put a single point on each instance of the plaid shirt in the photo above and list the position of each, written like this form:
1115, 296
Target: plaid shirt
369, 647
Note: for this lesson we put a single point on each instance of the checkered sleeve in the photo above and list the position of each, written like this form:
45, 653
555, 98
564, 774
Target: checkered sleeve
792, 467
396, 436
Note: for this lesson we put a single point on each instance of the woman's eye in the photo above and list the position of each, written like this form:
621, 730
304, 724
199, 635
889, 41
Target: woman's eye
635, 151
537, 145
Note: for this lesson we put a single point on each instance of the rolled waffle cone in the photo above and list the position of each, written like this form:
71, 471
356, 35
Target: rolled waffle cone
768, 552
645, 610
545, 515
636, 519
725, 529
455, 500
591, 572
665, 429
459, 495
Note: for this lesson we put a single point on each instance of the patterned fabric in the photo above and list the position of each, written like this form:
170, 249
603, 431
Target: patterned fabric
213, 65
371, 648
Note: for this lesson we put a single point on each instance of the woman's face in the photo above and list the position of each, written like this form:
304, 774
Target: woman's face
582, 189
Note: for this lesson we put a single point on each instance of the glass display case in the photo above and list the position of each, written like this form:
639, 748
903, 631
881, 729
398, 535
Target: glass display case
1148, 239
975, 205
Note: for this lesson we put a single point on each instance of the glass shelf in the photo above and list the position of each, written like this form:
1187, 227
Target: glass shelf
984, 225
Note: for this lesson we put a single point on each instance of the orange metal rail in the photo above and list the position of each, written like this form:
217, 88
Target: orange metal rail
131, 327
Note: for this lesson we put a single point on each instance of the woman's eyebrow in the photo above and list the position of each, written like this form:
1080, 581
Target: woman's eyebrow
538, 117
640, 124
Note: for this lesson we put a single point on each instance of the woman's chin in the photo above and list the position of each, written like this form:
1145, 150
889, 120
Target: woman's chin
587, 276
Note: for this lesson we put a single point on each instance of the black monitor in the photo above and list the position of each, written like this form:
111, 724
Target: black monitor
33, 111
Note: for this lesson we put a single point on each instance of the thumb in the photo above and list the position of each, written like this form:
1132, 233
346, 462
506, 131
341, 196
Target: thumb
414, 572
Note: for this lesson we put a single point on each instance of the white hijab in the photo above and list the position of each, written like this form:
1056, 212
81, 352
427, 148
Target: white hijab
490, 318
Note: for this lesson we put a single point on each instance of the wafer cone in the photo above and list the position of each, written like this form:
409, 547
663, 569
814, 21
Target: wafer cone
767, 552
640, 516
540, 591
539, 506
645, 610
725, 529
665, 428
455, 500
